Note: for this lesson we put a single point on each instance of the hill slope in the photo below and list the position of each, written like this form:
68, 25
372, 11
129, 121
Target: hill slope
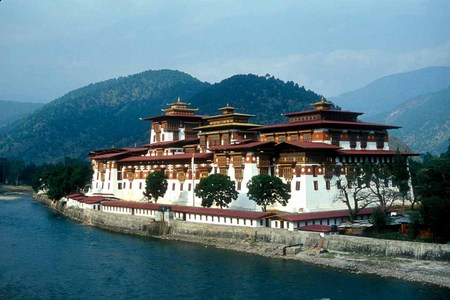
12, 111
265, 97
96, 116
425, 122
107, 114
384, 94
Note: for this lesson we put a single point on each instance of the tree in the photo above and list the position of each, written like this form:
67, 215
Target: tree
155, 185
216, 189
353, 192
266, 190
64, 178
376, 178
400, 176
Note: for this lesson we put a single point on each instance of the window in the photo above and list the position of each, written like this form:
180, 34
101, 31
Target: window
338, 184
327, 184
316, 185
131, 185
119, 185
181, 186
173, 186
297, 186
140, 185
239, 185
189, 187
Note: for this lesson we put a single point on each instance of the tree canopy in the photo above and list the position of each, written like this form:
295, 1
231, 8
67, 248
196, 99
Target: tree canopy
216, 189
267, 190
155, 185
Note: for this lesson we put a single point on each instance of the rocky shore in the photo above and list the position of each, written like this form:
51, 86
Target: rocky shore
423, 271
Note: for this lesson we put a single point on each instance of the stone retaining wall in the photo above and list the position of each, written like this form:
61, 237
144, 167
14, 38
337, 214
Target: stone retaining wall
359, 245
148, 227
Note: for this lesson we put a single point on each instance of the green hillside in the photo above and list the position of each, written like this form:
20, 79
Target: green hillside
265, 97
385, 94
107, 113
425, 122
12, 111
96, 116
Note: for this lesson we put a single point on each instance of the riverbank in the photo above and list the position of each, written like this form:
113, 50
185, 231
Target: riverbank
274, 243
11, 192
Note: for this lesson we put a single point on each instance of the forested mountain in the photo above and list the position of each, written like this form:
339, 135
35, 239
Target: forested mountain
265, 97
425, 122
107, 113
385, 94
11, 111
96, 116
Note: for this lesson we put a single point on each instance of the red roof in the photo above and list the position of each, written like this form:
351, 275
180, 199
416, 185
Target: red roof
315, 227
306, 112
310, 145
185, 156
192, 210
322, 215
242, 146
86, 199
123, 151
325, 123
174, 116
222, 212
375, 152
174, 143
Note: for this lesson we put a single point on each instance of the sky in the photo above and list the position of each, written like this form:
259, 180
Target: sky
50, 47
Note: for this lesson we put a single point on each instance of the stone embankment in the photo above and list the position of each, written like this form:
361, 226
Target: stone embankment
429, 263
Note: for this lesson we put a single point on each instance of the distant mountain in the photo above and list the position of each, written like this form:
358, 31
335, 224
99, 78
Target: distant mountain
96, 116
265, 97
385, 94
11, 111
425, 122
107, 113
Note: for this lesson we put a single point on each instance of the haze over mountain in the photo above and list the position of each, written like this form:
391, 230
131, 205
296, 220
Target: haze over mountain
107, 113
385, 94
11, 111
425, 122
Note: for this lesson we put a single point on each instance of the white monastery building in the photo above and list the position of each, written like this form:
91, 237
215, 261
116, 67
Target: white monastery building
310, 151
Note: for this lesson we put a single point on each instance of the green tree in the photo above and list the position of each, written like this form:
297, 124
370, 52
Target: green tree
64, 178
266, 190
400, 175
216, 189
434, 182
155, 185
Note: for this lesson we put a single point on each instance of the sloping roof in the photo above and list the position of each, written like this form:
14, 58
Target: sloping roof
242, 146
173, 116
192, 210
185, 156
375, 152
322, 215
174, 143
325, 123
315, 228
120, 152
309, 145
311, 111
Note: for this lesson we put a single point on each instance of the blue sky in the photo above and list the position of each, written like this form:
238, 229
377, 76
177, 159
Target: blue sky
48, 48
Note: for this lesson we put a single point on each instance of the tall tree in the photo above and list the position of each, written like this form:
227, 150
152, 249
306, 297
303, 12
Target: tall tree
267, 190
377, 178
155, 185
352, 191
400, 176
216, 189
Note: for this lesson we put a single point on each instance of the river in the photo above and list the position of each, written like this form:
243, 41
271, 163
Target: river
46, 256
